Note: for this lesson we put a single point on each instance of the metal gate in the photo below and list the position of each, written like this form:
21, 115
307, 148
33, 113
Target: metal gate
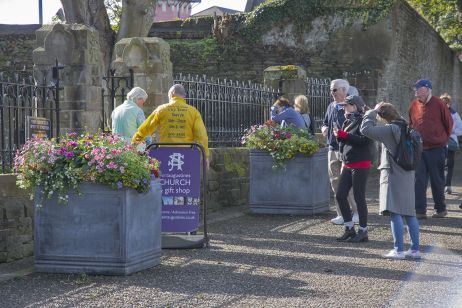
114, 90
21, 97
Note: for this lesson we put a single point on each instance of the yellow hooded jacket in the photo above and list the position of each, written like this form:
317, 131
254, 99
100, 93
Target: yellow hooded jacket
177, 122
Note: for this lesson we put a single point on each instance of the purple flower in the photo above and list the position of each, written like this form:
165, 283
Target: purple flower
69, 154
72, 143
119, 185
72, 135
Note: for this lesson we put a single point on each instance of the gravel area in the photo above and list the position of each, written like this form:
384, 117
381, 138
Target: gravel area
274, 261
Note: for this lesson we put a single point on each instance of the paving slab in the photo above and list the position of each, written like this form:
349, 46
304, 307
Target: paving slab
274, 261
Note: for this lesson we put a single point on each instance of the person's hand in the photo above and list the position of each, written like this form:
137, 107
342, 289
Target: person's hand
341, 134
335, 131
377, 107
324, 130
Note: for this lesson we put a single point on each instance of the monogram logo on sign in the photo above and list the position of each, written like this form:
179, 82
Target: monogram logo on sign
176, 160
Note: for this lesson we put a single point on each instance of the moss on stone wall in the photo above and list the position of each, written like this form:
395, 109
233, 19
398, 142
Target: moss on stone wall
232, 163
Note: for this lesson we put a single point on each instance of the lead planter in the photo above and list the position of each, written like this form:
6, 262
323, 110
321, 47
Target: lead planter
100, 231
302, 188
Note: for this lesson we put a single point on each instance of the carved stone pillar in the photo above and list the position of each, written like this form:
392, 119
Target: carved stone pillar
76, 47
149, 58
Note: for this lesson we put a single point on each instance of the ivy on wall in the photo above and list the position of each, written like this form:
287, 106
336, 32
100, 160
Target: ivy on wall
239, 34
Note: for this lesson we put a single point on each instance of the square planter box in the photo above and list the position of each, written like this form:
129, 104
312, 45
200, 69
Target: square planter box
302, 188
101, 231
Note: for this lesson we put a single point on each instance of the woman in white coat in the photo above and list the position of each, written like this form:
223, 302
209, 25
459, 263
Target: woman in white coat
393, 180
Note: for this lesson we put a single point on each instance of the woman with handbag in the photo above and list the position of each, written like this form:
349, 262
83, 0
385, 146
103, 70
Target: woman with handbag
453, 144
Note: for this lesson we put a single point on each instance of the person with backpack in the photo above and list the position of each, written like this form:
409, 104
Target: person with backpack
430, 116
395, 181
355, 151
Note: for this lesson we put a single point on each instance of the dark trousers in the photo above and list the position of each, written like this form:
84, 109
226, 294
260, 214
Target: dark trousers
449, 167
431, 165
356, 178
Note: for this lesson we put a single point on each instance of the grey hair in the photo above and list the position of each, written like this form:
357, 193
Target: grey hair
353, 91
178, 89
137, 93
340, 83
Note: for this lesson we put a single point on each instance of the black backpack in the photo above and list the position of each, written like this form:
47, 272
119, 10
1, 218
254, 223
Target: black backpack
409, 150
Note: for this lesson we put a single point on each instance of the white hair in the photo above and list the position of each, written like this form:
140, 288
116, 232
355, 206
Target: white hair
178, 89
137, 93
340, 83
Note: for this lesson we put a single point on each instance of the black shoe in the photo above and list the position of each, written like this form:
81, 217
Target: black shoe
348, 233
460, 206
361, 236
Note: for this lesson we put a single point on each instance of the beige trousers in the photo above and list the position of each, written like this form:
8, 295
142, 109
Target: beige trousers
334, 169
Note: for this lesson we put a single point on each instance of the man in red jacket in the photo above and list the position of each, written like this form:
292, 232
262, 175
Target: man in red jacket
431, 118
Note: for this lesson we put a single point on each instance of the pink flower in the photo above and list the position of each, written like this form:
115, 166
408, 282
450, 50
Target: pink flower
72, 135
112, 165
72, 143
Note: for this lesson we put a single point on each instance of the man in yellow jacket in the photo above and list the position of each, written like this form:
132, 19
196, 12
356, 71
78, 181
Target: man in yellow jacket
177, 122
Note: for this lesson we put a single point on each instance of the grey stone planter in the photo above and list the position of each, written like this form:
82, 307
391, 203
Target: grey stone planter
101, 231
301, 189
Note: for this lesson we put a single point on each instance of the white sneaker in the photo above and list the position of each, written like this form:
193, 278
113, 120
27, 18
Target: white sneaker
355, 218
337, 220
448, 190
393, 254
414, 254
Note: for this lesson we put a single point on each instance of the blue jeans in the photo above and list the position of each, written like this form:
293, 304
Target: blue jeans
397, 229
431, 166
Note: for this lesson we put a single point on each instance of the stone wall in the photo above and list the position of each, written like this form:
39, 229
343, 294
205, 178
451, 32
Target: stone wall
228, 178
16, 45
227, 185
16, 221
383, 59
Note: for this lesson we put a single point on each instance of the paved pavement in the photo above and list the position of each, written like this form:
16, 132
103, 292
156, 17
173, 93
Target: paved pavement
270, 261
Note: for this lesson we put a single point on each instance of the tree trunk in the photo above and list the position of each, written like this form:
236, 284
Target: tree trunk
92, 13
137, 18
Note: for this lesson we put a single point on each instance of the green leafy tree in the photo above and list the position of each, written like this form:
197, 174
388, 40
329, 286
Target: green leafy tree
445, 16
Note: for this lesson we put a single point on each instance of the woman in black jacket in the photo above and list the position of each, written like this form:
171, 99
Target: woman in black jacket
355, 149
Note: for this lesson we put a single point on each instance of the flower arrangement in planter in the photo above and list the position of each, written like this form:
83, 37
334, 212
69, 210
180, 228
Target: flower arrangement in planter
57, 166
280, 143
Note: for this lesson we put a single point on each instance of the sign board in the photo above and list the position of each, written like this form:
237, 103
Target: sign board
37, 127
181, 180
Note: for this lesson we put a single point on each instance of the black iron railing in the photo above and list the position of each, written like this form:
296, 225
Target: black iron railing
22, 97
227, 107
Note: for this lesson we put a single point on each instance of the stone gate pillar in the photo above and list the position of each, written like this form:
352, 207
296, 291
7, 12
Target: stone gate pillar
76, 47
289, 79
149, 58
